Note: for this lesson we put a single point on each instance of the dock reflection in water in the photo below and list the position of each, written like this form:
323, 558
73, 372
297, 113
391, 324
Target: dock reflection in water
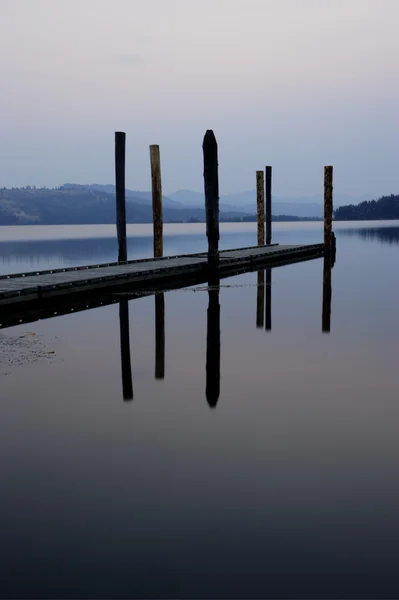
213, 345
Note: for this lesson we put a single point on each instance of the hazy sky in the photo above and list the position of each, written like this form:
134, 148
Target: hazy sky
292, 83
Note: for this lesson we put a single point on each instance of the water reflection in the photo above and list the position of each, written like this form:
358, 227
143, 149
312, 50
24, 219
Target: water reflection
264, 308
159, 336
127, 384
260, 299
327, 294
268, 300
213, 345
384, 235
263, 317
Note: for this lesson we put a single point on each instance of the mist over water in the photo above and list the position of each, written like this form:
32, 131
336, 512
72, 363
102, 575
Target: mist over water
267, 470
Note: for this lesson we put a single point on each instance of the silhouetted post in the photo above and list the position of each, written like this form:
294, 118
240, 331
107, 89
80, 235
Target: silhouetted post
328, 207
159, 336
120, 153
327, 293
268, 300
211, 186
268, 205
260, 300
260, 202
156, 200
213, 347
127, 384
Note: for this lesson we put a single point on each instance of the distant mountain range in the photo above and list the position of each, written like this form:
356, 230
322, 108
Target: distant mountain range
95, 203
301, 206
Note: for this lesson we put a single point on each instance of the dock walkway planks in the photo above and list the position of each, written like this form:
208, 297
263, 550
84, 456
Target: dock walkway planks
27, 287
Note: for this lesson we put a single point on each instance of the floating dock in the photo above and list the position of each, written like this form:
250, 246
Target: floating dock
25, 294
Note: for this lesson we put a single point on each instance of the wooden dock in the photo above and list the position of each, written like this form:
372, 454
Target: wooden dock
24, 294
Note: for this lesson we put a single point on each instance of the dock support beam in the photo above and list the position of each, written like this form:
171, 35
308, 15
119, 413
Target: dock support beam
260, 203
156, 200
120, 153
211, 186
268, 205
328, 209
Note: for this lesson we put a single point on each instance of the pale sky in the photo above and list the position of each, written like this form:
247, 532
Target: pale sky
297, 84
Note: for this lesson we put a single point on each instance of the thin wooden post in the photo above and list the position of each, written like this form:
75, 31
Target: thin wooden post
159, 336
120, 153
260, 203
260, 299
156, 199
327, 294
211, 186
328, 207
268, 300
127, 384
213, 346
268, 205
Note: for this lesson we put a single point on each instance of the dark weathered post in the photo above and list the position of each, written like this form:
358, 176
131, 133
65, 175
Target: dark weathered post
211, 186
159, 336
260, 300
120, 153
328, 208
327, 294
213, 347
260, 203
268, 205
156, 200
268, 300
127, 384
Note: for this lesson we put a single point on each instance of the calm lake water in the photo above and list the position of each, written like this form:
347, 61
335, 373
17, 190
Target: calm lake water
287, 488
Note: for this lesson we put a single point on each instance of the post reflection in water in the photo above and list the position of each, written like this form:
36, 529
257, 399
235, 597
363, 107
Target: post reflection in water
159, 336
127, 384
260, 300
213, 345
268, 307
327, 293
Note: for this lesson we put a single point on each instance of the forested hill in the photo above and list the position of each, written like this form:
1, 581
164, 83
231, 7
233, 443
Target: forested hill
386, 207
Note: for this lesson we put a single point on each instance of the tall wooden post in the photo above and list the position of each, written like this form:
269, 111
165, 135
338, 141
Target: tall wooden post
260, 202
213, 347
120, 153
260, 299
327, 294
156, 200
159, 336
127, 384
328, 207
268, 205
211, 186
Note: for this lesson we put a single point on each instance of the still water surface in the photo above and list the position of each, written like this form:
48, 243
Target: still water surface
289, 487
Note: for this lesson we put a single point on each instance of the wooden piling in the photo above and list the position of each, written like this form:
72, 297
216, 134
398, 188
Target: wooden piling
328, 207
211, 187
268, 308
156, 199
127, 384
260, 203
159, 336
327, 294
120, 154
260, 299
213, 346
268, 205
